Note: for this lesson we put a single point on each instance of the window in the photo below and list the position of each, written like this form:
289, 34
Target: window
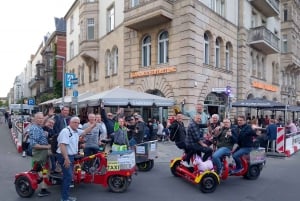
253, 64
206, 49
163, 47
146, 51
81, 74
115, 61
217, 53
285, 13
134, 3
93, 72
218, 6
71, 24
50, 84
284, 44
90, 29
107, 63
110, 18
71, 50
227, 57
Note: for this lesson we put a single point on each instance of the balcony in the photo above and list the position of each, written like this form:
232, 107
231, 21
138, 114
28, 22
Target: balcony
263, 40
48, 70
34, 81
148, 14
268, 8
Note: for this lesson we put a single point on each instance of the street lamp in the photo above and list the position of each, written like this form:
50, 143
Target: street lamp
63, 77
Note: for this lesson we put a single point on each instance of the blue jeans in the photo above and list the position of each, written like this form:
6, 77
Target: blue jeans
217, 155
237, 156
90, 151
53, 162
67, 176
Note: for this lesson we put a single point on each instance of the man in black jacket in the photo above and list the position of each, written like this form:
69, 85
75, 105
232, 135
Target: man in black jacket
245, 135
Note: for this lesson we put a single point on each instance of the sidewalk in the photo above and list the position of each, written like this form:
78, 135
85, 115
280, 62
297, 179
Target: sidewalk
167, 151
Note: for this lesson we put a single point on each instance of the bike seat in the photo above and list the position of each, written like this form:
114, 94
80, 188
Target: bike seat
106, 141
78, 157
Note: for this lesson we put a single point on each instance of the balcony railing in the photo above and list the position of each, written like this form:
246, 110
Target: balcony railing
269, 8
148, 14
263, 40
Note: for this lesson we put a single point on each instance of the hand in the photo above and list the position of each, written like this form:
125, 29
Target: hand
67, 163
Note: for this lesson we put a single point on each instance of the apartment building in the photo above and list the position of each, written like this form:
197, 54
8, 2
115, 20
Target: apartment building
290, 51
187, 50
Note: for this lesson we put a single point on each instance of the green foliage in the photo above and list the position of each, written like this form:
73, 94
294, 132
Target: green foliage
58, 88
45, 97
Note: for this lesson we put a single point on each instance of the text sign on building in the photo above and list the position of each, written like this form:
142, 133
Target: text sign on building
156, 71
219, 89
68, 79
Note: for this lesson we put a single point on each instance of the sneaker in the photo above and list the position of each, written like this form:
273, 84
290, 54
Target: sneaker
72, 184
24, 154
184, 163
238, 170
70, 199
44, 192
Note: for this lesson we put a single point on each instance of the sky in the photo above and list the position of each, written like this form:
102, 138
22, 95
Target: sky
23, 25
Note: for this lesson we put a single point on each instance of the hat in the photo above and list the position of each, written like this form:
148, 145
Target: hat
138, 116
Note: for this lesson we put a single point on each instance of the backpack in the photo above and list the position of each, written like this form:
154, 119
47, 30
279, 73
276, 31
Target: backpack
173, 133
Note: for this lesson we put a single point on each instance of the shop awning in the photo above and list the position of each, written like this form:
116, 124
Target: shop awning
125, 97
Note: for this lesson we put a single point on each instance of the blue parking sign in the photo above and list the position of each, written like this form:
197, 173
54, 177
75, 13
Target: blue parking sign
68, 79
31, 101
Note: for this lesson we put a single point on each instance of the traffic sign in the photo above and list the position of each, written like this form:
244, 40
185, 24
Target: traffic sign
68, 79
74, 80
31, 101
219, 89
75, 93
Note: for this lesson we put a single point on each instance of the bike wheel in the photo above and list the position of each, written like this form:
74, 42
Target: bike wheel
174, 167
253, 172
118, 183
23, 187
208, 183
145, 166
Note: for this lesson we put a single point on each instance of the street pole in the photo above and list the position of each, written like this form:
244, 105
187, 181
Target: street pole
63, 78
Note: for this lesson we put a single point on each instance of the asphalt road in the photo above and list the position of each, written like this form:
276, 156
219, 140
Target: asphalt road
279, 181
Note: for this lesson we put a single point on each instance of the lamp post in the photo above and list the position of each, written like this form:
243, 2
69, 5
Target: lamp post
63, 78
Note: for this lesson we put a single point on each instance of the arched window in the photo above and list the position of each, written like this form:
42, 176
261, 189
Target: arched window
217, 53
206, 48
227, 56
107, 63
163, 47
146, 51
115, 60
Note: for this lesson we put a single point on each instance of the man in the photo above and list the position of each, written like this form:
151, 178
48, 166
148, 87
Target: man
48, 128
225, 143
140, 127
245, 134
198, 110
214, 126
103, 130
178, 132
40, 147
91, 145
195, 141
61, 122
271, 135
67, 149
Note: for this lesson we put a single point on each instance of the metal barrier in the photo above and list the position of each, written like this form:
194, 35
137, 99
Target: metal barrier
287, 143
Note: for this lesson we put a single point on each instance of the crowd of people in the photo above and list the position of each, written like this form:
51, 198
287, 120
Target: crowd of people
59, 137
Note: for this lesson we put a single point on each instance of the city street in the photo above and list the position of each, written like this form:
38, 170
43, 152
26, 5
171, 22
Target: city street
279, 181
